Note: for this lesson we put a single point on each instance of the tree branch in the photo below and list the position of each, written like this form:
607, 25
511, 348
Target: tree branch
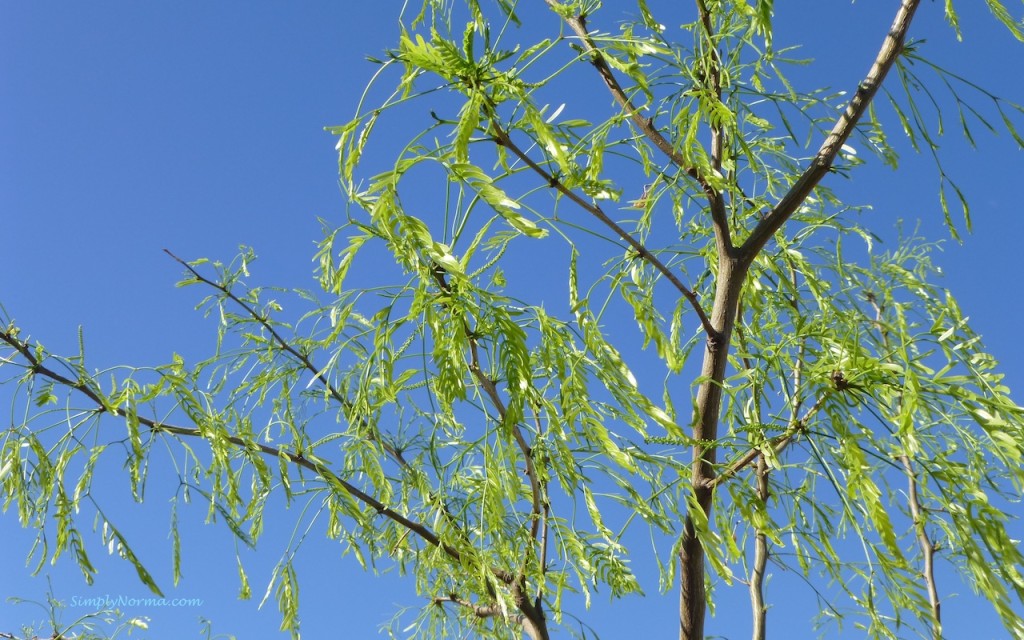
578, 24
534, 621
479, 610
732, 270
758, 607
844, 126
303, 359
536, 618
491, 388
38, 368
928, 547
394, 453
757, 602
719, 219
492, 611
779, 444
502, 138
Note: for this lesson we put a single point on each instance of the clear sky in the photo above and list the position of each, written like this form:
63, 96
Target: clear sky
127, 128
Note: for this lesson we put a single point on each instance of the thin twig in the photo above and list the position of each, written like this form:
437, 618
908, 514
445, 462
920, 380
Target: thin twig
646, 126
757, 603
578, 24
534, 622
928, 547
285, 346
491, 388
779, 444
917, 511
544, 522
756, 585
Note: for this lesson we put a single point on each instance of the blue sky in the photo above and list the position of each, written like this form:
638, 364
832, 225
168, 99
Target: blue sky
127, 128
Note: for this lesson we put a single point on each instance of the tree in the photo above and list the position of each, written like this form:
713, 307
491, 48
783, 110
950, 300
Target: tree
499, 437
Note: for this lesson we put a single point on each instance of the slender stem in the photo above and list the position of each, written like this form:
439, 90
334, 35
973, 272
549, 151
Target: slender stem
713, 78
928, 547
578, 24
757, 601
759, 609
504, 139
534, 623
491, 389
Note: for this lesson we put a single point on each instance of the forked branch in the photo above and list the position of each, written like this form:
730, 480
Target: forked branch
732, 270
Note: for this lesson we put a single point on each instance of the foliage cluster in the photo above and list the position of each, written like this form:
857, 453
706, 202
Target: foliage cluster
649, 325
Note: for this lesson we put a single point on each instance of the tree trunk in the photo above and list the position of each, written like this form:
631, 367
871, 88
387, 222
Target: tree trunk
732, 271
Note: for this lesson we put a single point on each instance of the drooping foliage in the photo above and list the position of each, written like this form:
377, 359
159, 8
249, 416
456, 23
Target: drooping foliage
602, 308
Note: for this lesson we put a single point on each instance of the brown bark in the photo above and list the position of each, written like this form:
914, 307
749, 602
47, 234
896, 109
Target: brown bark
733, 266
692, 604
